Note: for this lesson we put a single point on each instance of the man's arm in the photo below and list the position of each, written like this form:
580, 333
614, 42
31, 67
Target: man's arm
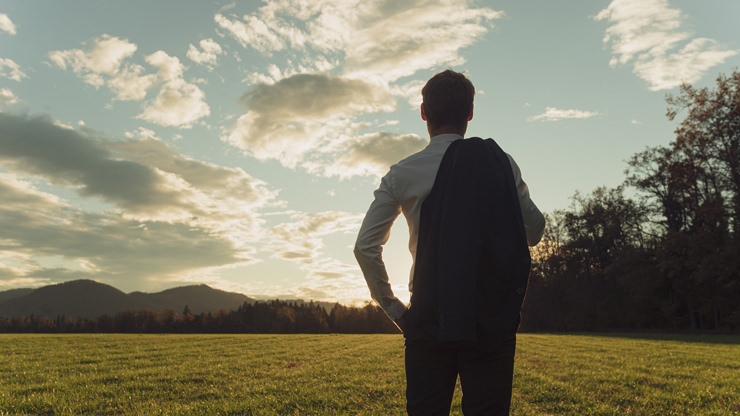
534, 221
374, 233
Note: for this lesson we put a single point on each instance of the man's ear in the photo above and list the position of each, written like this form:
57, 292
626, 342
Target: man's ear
423, 115
470, 116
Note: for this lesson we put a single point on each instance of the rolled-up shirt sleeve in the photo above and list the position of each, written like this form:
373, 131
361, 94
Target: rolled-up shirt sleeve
534, 221
374, 233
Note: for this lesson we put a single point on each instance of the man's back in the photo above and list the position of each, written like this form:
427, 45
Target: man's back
486, 366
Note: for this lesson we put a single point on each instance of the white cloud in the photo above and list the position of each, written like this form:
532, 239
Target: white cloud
253, 32
374, 153
103, 60
273, 75
103, 56
555, 114
410, 91
169, 67
393, 42
378, 39
649, 34
7, 98
10, 69
208, 53
303, 115
302, 241
130, 84
178, 103
6, 25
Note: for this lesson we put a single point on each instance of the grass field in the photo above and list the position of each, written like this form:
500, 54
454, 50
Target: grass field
354, 375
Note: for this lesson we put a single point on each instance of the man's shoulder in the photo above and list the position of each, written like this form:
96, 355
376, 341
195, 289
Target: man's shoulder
412, 161
414, 157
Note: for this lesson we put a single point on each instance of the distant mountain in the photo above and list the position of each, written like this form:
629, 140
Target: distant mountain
89, 299
199, 298
13, 293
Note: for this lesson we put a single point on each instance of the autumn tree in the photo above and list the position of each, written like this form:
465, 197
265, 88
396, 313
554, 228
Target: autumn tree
693, 187
710, 133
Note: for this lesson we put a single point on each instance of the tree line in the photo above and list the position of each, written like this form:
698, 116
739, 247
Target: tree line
273, 317
660, 251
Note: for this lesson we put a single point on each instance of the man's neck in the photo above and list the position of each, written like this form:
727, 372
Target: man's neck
446, 130
445, 137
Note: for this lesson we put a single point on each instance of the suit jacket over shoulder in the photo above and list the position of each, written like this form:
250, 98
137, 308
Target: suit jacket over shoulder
472, 259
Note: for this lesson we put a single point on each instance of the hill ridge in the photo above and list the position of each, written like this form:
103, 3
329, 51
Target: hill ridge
86, 298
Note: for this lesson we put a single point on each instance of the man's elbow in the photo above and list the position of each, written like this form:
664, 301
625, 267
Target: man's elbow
361, 252
357, 251
365, 253
536, 232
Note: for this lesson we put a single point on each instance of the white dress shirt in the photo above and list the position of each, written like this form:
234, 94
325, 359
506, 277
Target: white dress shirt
403, 189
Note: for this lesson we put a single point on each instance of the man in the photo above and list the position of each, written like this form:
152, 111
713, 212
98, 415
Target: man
468, 211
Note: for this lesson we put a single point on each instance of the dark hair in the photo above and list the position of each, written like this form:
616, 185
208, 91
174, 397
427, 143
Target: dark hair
447, 98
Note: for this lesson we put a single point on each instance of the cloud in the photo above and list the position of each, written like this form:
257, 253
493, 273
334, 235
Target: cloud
649, 34
311, 96
223, 183
103, 59
410, 91
303, 115
178, 102
6, 25
394, 39
302, 240
104, 246
374, 153
380, 39
130, 84
554, 114
257, 32
7, 98
146, 179
167, 215
10, 69
169, 68
103, 56
208, 53
71, 159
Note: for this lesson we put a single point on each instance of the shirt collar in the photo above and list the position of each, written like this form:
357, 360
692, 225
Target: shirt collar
444, 138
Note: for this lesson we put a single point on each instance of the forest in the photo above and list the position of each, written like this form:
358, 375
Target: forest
658, 252
271, 317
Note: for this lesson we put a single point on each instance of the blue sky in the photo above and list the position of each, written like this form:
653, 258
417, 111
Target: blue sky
154, 144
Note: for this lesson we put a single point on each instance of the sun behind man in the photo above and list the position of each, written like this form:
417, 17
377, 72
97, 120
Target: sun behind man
470, 219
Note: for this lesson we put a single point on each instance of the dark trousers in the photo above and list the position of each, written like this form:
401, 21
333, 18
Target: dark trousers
485, 367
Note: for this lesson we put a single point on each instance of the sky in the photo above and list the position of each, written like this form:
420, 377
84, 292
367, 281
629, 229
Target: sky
149, 145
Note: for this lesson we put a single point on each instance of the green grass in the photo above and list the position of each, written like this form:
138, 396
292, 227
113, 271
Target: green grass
354, 375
